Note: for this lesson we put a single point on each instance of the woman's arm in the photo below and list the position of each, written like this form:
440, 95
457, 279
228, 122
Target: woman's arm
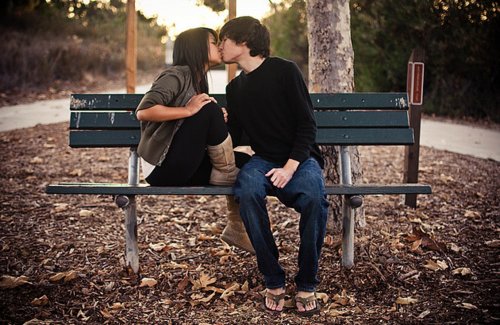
161, 113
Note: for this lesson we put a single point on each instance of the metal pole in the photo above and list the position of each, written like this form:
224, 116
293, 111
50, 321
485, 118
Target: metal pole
347, 211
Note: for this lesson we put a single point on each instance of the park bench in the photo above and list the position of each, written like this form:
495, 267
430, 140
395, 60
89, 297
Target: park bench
349, 119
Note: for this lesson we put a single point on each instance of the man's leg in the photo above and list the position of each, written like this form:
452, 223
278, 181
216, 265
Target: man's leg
251, 189
306, 194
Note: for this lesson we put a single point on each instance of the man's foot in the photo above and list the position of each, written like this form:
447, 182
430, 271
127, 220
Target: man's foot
275, 299
306, 303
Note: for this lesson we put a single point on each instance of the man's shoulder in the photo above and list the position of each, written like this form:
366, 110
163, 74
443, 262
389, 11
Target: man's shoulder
279, 61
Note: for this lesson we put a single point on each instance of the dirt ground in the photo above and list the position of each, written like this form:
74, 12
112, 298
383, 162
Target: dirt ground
61, 257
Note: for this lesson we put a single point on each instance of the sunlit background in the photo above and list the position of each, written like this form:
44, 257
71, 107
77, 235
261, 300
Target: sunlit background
179, 15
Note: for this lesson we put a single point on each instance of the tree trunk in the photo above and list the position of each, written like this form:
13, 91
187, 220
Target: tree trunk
331, 70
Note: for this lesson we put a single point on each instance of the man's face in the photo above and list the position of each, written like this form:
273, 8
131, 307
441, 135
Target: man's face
214, 57
230, 51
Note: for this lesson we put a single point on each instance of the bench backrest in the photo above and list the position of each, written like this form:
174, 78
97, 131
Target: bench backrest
108, 120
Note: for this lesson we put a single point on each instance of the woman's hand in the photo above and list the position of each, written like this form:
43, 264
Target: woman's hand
197, 102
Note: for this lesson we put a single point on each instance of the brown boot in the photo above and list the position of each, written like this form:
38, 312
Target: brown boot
224, 170
235, 233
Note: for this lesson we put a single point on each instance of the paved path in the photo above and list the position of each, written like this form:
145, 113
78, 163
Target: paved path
477, 142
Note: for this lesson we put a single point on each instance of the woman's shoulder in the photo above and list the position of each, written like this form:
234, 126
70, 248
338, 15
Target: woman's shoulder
179, 71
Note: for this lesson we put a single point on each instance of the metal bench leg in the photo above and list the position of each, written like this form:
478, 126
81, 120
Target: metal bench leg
130, 208
131, 247
347, 211
347, 234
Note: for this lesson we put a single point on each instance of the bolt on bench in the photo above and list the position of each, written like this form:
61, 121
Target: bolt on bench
349, 119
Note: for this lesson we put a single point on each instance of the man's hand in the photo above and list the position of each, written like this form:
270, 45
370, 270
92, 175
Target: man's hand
281, 176
224, 112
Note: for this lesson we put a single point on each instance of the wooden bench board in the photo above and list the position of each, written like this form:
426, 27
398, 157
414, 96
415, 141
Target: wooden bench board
144, 189
396, 100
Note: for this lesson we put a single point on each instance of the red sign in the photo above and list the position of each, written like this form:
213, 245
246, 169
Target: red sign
416, 92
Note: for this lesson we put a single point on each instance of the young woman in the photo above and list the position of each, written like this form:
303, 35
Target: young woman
184, 138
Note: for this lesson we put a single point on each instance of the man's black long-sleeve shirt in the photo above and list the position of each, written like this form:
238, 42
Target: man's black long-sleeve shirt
272, 106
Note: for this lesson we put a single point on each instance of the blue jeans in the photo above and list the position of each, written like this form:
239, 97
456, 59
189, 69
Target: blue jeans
306, 194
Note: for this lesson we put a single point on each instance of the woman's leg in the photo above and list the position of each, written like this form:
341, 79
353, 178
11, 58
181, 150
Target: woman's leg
186, 162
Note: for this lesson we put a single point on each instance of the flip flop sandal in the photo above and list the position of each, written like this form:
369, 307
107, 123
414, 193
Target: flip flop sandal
276, 299
304, 302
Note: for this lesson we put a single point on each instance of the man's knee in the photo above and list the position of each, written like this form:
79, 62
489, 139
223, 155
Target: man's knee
249, 185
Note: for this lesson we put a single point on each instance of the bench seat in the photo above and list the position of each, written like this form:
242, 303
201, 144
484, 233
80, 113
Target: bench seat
144, 189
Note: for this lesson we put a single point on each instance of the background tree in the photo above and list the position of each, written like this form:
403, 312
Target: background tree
331, 70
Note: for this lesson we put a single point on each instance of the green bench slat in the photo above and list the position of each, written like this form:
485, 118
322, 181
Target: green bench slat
391, 119
144, 189
359, 136
105, 101
128, 120
320, 101
104, 138
360, 100
364, 136
103, 120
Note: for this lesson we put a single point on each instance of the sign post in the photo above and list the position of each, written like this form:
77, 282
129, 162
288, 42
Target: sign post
131, 48
231, 68
415, 89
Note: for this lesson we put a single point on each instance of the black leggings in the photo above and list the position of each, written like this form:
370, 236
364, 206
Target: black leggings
187, 161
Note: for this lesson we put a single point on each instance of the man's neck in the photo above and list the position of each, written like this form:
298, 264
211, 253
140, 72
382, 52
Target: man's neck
251, 63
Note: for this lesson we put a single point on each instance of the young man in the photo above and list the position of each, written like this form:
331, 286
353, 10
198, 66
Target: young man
270, 103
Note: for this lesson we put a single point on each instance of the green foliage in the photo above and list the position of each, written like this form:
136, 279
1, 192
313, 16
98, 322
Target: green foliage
68, 40
288, 28
460, 39
215, 5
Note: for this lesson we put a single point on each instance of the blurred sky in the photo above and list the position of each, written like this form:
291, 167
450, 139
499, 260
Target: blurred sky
179, 15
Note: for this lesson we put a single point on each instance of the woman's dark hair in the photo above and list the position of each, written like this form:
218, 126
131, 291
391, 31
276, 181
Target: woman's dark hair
250, 30
191, 49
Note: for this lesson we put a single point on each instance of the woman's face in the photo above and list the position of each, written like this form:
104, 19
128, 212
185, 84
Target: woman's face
214, 57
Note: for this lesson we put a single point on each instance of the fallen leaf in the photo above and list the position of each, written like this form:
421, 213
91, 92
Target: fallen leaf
76, 172
158, 247
86, 213
59, 207
118, 305
322, 296
148, 282
58, 276
229, 291
423, 314
203, 281
106, 314
461, 271
9, 282
467, 305
436, 265
36, 161
406, 301
183, 283
416, 244
244, 287
472, 214
67, 276
336, 312
454, 248
70, 275
205, 237
493, 243
43, 300
343, 299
